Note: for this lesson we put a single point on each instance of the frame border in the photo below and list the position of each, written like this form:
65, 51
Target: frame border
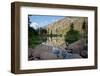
15, 37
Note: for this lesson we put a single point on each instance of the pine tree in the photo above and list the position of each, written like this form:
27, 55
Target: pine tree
72, 35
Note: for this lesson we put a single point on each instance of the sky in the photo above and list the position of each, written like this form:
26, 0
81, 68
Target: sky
42, 20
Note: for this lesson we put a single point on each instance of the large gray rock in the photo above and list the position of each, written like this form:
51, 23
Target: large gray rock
35, 53
77, 46
47, 56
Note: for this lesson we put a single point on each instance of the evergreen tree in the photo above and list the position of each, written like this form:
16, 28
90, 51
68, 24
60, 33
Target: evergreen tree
72, 35
33, 36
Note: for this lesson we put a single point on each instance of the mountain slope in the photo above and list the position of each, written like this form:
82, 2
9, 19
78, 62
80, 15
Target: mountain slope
63, 25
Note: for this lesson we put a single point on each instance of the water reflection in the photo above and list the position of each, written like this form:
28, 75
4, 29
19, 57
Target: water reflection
55, 41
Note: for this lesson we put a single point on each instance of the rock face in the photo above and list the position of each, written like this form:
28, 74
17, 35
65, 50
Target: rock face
63, 25
60, 27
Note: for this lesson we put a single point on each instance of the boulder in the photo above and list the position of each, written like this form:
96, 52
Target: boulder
47, 56
84, 54
38, 50
77, 46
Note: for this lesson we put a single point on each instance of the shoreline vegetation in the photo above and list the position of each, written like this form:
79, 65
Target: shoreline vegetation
48, 44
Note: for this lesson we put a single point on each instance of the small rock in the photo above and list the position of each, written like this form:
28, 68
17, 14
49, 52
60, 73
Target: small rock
84, 54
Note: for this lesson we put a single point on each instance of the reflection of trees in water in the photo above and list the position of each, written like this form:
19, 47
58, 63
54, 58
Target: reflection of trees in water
53, 38
55, 41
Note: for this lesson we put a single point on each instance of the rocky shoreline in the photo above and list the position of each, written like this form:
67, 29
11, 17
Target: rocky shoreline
46, 52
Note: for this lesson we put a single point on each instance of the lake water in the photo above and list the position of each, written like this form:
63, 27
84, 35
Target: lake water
55, 41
